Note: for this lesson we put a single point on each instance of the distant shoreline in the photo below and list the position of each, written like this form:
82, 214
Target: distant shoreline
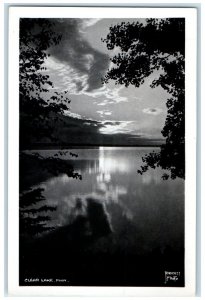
80, 146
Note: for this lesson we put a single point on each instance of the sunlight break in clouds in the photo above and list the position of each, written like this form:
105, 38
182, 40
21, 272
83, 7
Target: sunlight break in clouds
79, 63
115, 128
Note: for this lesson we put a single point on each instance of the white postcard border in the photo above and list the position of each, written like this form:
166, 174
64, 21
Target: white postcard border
13, 145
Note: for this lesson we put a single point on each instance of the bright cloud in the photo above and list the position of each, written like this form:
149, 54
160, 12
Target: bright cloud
67, 77
73, 115
76, 82
119, 127
110, 95
104, 113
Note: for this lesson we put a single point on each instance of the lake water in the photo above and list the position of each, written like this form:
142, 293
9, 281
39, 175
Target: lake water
125, 212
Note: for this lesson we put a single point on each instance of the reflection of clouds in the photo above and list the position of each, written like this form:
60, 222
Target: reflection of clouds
111, 193
103, 191
71, 208
107, 178
64, 179
87, 214
128, 201
71, 197
148, 177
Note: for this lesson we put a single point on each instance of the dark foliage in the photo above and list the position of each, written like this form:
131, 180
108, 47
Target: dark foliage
86, 253
34, 213
158, 45
57, 166
31, 197
33, 221
39, 107
39, 110
35, 169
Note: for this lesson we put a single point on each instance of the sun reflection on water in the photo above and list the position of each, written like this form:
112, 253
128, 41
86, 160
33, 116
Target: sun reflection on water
113, 200
112, 164
109, 178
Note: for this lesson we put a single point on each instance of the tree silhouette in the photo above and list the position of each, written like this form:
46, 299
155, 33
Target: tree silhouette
39, 106
33, 217
39, 110
144, 48
33, 221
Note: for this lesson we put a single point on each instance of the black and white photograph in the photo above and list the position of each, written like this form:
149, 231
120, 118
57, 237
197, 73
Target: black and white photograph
102, 151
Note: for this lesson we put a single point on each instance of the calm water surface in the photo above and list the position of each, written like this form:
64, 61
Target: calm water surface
141, 212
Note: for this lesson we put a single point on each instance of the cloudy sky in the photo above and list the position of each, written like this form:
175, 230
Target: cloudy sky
78, 64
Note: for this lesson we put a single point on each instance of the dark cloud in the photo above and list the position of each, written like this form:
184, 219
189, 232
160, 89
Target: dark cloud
152, 111
70, 130
112, 123
97, 71
79, 131
79, 85
78, 53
